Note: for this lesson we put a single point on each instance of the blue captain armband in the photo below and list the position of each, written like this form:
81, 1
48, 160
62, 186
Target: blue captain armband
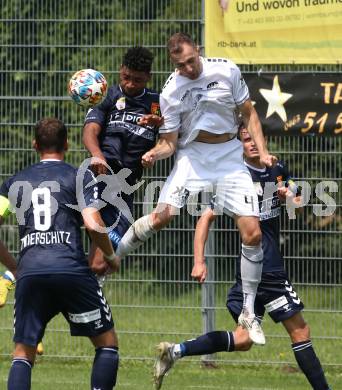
5, 207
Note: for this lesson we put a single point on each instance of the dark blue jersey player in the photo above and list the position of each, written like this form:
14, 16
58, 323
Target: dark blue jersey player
119, 131
275, 293
51, 200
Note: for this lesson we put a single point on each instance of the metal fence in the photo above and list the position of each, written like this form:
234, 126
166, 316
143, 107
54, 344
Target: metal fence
153, 297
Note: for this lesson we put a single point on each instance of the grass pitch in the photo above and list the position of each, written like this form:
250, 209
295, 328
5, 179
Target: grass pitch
144, 317
74, 375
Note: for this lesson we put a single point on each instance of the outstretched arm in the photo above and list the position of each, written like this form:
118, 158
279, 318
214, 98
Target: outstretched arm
91, 131
199, 270
96, 229
164, 148
253, 126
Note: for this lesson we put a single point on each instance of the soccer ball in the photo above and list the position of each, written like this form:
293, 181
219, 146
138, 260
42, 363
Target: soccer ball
87, 87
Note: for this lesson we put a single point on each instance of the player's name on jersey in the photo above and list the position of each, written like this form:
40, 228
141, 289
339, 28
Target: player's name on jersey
45, 238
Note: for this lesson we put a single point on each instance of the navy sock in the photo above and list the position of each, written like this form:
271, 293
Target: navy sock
218, 341
19, 377
105, 368
310, 364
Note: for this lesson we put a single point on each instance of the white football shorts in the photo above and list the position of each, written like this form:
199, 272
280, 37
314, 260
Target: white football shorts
215, 168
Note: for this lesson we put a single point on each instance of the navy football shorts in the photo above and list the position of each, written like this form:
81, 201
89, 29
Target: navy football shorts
79, 298
275, 295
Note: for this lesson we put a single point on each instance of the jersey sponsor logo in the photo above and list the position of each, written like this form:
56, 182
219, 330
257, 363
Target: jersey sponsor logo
269, 214
276, 304
125, 116
121, 103
135, 129
155, 109
85, 318
266, 205
45, 238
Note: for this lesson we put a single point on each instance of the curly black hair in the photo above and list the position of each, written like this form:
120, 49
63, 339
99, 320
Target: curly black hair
138, 58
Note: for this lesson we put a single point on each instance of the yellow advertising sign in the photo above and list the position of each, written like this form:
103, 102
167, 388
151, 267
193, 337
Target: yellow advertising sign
274, 31
259, 15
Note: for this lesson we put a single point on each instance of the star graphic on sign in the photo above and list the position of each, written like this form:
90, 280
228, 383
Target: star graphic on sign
275, 99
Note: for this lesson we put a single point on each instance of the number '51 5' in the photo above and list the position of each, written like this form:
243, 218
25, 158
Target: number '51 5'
310, 120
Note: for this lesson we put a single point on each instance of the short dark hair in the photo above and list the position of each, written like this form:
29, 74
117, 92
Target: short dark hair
50, 135
241, 127
174, 45
138, 58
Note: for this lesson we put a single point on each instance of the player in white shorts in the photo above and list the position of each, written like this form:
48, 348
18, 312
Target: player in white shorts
200, 103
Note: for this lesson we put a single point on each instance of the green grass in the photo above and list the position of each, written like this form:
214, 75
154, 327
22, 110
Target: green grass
178, 318
74, 375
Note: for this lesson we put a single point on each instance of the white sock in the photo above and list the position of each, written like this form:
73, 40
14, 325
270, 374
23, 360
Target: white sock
176, 352
136, 235
251, 269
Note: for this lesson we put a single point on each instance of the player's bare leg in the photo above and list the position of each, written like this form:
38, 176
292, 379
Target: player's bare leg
251, 269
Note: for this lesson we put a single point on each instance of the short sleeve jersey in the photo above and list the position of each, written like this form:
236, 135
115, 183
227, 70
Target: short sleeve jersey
208, 103
45, 200
265, 182
121, 139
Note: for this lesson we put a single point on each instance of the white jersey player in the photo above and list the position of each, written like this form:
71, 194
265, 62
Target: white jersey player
208, 103
200, 103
